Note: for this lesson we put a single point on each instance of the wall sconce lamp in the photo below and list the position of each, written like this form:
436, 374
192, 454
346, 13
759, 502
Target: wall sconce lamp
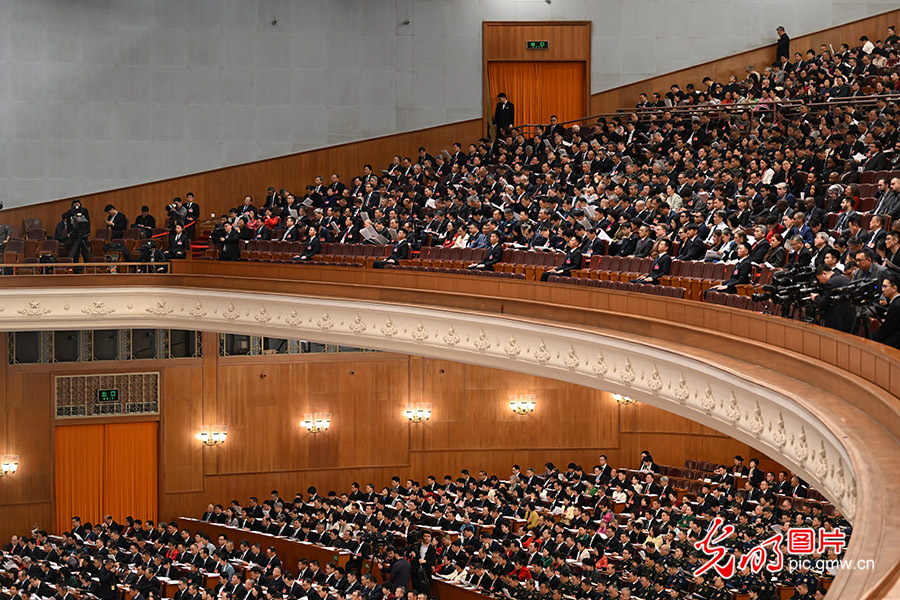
624, 400
418, 412
316, 422
213, 435
9, 464
522, 404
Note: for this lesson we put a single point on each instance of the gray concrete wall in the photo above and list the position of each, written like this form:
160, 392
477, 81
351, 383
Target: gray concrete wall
97, 94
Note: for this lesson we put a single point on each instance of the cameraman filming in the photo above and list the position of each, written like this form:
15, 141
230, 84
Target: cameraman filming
177, 214
889, 332
78, 226
837, 312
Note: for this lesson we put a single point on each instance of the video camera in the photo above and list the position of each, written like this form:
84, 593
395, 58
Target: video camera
146, 251
78, 223
864, 292
790, 288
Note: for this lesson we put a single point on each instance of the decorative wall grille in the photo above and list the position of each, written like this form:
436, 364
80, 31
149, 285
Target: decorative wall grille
76, 395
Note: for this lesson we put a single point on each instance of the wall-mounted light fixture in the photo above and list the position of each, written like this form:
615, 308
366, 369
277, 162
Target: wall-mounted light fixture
626, 400
213, 435
418, 412
9, 464
316, 422
522, 404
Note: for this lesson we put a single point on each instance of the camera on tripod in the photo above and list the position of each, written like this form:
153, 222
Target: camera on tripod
864, 292
791, 287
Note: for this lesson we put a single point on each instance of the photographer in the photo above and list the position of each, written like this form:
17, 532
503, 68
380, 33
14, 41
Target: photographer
78, 227
837, 312
177, 214
889, 332
149, 253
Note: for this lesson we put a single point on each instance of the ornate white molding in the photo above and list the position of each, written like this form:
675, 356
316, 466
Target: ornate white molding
767, 419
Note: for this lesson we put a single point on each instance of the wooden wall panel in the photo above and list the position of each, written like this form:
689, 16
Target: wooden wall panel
180, 454
643, 418
217, 191
627, 95
370, 441
29, 409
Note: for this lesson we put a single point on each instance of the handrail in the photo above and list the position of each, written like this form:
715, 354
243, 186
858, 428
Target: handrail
92, 268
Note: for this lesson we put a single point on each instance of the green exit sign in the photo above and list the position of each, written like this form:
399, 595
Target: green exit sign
107, 395
537, 45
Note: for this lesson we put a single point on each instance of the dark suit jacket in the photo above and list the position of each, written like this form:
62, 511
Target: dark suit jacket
400, 251
889, 332
878, 162
740, 275
494, 256
758, 251
693, 249
290, 235
661, 267
120, 224
504, 115
627, 246
643, 247
193, 212
400, 572
803, 257
875, 238
231, 249
572, 263
312, 247
182, 244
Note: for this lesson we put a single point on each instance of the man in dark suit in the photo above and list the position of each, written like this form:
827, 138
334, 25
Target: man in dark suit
876, 232
229, 242
290, 233
400, 571
660, 267
504, 114
741, 273
107, 578
494, 255
313, 245
117, 222
371, 588
889, 331
877, 161
179, 246
247, 206
760, 247
572, 262
400, 251
838, 315
644, 245
692, 247
799, 254
628, 243
192, 215
784, 45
